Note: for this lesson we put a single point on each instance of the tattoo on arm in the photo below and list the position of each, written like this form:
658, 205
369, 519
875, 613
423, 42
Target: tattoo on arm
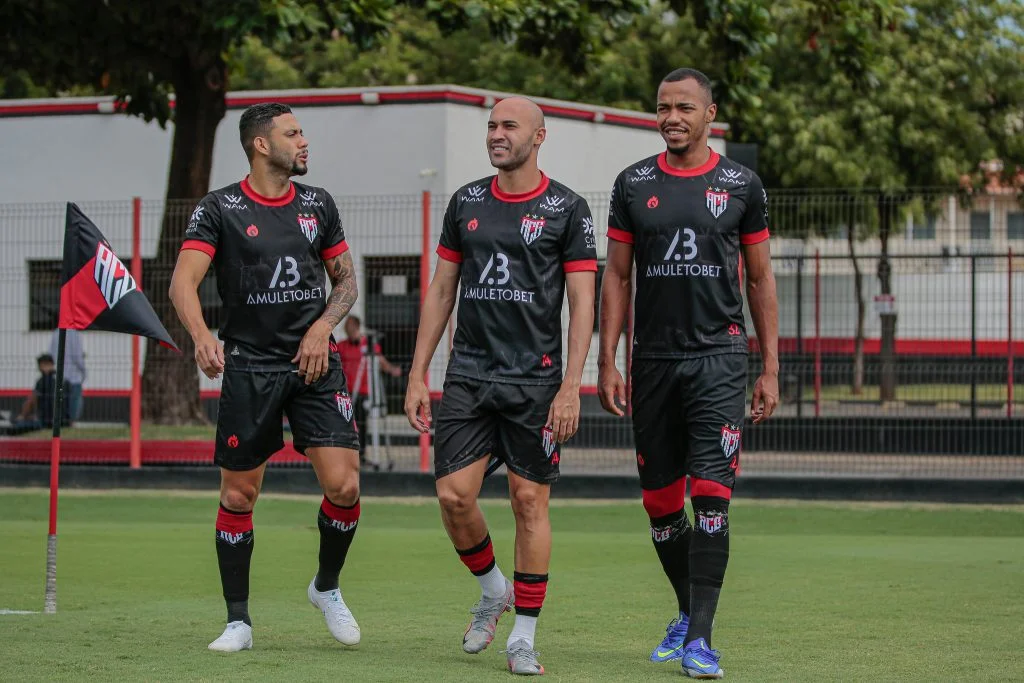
342, 273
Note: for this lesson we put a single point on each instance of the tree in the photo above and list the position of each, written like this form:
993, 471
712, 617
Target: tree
145, 52
937, 89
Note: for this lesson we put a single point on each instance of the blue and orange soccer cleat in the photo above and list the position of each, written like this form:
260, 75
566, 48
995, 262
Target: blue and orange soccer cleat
700, 661
672, 646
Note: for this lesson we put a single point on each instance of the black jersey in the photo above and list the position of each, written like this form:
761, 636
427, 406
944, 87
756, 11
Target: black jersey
686, 228
268, 257
514, 251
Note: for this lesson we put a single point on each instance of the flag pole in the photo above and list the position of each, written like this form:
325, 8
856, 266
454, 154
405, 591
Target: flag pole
50, 605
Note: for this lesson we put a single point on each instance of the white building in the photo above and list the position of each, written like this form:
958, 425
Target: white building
375, 149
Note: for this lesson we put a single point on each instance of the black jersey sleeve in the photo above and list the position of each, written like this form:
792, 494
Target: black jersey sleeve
579, 249
334, 236
620, 226
754, 225
450, 245
203, 231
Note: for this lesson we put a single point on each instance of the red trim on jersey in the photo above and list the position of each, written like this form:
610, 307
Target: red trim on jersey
754, 237
524, 197
620, 235
688, 172
330, 252
589, 264
284, 200
449, 254
199, 245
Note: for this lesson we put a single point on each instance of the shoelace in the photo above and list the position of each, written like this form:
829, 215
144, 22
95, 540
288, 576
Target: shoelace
674, 629
481, 610
522, 652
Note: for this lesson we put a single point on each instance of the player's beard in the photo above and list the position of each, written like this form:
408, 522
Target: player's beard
287, 163
517, 156
696, 134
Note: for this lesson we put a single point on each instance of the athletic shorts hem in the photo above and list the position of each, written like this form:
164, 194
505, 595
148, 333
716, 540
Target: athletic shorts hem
348, 445
716, 479
461, 463
243, 464
529, 476
651, 484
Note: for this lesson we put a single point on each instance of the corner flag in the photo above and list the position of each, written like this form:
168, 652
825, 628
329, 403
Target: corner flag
96, 293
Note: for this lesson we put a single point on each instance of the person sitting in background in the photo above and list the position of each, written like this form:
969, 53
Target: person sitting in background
37, 411
74, 369
354, 350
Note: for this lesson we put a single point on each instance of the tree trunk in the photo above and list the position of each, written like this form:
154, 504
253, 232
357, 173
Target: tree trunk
887, 390
858, 338
170, 383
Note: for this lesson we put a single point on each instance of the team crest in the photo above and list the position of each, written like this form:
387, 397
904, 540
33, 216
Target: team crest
730, 439
344, 402
111, 276
531, 228
717, 200
309, 226
548, 438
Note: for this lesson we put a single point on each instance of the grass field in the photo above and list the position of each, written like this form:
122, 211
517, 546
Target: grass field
814, 592
918, 392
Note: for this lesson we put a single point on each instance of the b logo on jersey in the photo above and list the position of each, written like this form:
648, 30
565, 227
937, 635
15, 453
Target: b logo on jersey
548, 440
717, 200
652, 203
476, 194
309, 226
730, 439
344, 402
531, 228
110, 274
643, 174
553, 204
473, 224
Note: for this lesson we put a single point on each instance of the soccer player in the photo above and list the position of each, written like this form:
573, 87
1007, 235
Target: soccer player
269, 240
684, 217
517, 241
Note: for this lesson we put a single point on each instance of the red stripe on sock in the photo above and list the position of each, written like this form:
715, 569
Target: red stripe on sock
703, 487
234, 522
530, 595
479, 560
665, 501
340, 514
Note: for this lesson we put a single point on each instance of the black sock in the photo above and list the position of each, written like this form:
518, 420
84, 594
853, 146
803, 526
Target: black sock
234, 554
709, 556
337, 529
671, 535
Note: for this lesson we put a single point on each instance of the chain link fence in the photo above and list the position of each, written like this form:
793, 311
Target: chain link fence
900, 321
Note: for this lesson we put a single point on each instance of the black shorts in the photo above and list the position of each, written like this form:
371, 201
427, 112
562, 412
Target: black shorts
252, 409
688, 418
505, 421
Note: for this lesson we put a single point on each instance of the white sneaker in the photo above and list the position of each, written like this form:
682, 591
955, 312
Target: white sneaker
237, 636
340, 621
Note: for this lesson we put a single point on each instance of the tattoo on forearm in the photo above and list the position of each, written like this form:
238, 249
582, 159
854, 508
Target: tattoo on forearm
343, 294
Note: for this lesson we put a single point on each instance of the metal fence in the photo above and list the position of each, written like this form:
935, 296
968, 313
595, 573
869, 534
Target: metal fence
925, 389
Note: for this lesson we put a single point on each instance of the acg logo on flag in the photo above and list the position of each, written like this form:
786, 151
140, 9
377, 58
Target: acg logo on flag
717, 200
309, 226
531, 228
113, 278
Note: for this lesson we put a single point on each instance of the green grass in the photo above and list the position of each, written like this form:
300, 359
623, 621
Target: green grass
918, 392
814, 592
150, 432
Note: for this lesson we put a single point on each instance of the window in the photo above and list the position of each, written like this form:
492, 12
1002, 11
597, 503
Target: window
1015, 225
981, 226
44, 295
924, 228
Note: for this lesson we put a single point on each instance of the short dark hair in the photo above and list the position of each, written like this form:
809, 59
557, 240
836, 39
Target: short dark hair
257, 121
353, 318
44, 358
702, 80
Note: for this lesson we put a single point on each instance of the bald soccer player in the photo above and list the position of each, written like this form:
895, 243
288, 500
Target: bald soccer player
517, 241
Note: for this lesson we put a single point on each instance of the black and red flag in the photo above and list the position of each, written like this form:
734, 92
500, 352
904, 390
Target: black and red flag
96, 290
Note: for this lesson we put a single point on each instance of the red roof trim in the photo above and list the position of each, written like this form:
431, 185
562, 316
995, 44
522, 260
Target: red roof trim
43, 108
